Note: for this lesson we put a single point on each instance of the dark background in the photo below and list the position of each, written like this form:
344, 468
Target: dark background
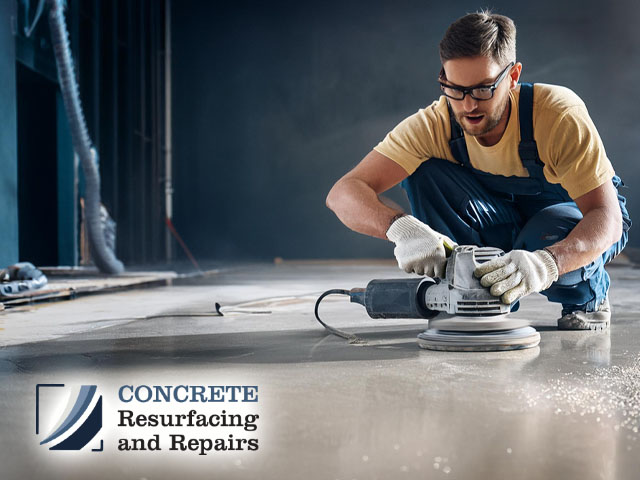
274, 102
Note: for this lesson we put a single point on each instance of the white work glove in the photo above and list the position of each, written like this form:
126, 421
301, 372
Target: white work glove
518, 273
419, 248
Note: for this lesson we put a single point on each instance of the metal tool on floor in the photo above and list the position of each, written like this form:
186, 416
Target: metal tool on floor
462, 314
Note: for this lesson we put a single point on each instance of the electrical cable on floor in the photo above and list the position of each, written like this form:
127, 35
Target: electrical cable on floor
353, 339
175, 233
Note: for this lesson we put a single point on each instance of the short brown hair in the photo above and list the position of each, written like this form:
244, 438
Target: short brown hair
480, 34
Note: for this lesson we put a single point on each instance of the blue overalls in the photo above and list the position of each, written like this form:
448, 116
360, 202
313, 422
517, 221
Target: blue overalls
478, 208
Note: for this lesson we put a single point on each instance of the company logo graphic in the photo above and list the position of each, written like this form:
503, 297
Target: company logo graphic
75, 427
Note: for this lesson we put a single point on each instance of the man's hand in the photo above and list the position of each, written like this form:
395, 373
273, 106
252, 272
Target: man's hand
419, 248
517, 274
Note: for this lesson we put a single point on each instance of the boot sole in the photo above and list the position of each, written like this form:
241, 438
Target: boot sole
582, 325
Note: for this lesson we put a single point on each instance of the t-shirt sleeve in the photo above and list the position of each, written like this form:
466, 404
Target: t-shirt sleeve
577, 157
417, 138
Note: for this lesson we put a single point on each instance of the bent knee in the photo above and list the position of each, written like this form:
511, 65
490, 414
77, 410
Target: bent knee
548, 226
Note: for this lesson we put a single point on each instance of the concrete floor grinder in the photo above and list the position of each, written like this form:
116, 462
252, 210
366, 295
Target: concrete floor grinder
462, 314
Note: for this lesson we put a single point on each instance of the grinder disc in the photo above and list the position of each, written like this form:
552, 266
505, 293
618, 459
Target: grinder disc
519, 338
459, 323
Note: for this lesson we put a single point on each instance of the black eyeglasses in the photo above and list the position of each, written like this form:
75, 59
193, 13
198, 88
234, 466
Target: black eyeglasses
479, 92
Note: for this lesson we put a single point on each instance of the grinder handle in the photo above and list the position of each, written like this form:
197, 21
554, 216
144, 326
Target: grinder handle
395, 298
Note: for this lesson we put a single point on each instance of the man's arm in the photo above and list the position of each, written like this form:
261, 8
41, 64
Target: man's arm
600, 227
354, 198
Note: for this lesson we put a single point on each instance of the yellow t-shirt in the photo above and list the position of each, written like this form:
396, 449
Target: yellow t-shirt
568, 142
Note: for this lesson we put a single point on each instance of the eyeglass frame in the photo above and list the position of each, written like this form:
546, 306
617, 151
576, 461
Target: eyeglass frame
469, 90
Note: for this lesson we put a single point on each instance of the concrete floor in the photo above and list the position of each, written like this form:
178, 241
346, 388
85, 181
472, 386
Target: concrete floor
328, 410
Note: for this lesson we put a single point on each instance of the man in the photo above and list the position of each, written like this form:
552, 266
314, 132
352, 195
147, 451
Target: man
496, 163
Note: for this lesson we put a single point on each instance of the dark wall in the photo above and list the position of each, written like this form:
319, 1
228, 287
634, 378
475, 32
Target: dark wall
273, 102
118, 47
37, 167
8, 147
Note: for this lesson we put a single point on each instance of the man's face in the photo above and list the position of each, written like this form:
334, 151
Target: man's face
480, 118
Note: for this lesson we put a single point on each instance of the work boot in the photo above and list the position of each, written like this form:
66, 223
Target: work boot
583, 320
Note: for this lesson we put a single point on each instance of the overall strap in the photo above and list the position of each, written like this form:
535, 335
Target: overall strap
457, 143
528, 149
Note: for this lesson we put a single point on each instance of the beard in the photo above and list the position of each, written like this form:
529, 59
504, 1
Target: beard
488, 123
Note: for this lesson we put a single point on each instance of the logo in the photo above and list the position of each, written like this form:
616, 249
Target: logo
78, 423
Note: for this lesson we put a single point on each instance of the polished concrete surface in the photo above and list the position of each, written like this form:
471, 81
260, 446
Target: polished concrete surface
569, 408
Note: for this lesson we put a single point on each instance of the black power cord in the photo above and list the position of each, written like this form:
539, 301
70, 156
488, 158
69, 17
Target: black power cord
353, 339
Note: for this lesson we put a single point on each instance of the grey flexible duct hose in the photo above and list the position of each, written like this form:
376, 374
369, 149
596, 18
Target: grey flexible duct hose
103, 256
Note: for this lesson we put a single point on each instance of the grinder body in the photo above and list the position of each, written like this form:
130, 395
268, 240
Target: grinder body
463, 315
459, 293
